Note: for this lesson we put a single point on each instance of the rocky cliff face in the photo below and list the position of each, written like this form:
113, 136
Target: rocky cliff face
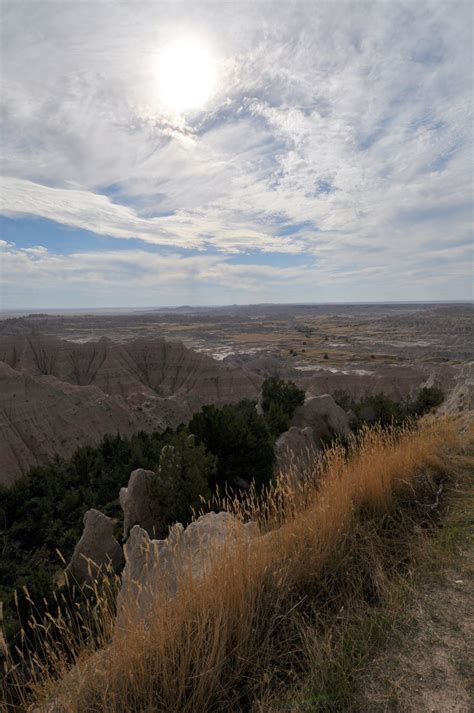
56, 395
359, 379
461, 398
41, 416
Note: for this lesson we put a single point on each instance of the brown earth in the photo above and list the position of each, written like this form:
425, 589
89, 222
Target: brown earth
431, 669
68, 379
56, 395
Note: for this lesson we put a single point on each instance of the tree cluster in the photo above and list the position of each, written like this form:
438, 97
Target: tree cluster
42, 513
381, 409
280, 399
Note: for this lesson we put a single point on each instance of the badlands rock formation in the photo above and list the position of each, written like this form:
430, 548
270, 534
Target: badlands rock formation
316, 422
396, 380
56, 395
41, 416
461, 398
139, 504
359, 380
295, 449
326, 419
97, 549
153, 567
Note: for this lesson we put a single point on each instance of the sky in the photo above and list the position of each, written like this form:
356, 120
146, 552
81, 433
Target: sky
170, 153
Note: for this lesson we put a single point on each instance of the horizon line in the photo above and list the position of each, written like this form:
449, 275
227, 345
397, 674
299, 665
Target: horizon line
40, 310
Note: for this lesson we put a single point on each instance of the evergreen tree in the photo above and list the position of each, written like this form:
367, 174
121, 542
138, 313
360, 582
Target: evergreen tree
240, 439
183, 476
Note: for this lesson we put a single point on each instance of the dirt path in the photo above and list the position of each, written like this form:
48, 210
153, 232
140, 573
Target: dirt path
431, 669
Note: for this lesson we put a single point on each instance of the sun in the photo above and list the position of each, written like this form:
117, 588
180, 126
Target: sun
186, 71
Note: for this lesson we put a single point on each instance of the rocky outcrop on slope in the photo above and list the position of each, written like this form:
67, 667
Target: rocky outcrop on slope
357, 378
461, 398
139, 504
147, 367
97, 551
56, 395
326, 419
153, 567
397, 381
316, 422
295, 449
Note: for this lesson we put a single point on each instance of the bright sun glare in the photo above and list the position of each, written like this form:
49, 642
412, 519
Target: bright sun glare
186, 74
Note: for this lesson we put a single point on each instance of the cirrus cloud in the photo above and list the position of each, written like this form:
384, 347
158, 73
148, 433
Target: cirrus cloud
340, 132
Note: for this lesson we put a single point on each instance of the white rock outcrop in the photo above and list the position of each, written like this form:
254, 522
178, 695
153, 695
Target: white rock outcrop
139, 503
316, 422
97, 548
153, 567
326, 419
295, 449
461, 397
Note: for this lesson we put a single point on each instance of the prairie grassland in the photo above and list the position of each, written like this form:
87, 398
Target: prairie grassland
270, 613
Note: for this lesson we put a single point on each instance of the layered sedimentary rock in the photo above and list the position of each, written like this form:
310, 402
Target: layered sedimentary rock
56, 395
41, 416
148, 367
397, 381
461, 398
97, 552
358, 379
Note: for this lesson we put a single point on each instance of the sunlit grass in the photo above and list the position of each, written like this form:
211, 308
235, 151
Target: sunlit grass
248, 628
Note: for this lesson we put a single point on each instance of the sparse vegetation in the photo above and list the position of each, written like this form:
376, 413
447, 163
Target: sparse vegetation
301, 619
381, 409
42, 513
427, 398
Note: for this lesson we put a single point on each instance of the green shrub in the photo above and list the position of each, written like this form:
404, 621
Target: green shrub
184, 473
278, 420
429, 397
382, 409
279, 401
284, 393
240, 439
343, 399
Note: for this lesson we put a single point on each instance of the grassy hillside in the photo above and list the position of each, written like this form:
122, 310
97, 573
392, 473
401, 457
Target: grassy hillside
305, 604
41, 515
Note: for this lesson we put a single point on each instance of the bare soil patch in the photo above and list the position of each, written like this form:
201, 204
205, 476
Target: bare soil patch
431, 667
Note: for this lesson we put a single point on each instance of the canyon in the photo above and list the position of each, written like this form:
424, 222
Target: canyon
67, 379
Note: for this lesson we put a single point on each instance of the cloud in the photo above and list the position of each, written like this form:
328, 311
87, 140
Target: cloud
121, 278
99, 214
338, 131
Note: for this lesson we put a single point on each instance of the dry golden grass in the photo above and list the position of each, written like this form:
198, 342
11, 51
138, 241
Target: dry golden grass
238, 635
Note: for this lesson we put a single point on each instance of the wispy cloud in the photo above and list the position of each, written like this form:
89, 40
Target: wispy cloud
339, 131
36, 276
